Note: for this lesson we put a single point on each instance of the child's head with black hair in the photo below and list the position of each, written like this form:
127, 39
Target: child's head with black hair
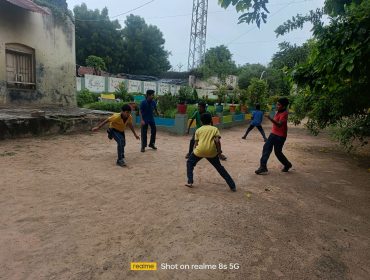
201, 106
150, 94
282, 104
126, 108
258, 106
125, 111
206, 118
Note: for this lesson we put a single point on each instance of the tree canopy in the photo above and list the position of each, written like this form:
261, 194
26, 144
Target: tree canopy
138, 48
218, 62
249, 71
289, 55
97, 35
144, 51
334, 80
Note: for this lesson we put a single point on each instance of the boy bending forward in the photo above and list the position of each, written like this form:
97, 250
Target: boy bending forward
207, 145
117, 125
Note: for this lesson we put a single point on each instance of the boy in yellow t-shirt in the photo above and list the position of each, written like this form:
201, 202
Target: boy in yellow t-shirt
207, 145
117, 125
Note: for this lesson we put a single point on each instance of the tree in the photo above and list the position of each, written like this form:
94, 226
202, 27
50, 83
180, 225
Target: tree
257, 92
218, 63
59, 9
289, 55
144, 51
249, 71
97, 35
334, 82
258, 13
96, 62
337, 76
278, 81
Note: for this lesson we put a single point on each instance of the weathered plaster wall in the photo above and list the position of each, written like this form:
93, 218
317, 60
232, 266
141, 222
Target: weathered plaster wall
54, 43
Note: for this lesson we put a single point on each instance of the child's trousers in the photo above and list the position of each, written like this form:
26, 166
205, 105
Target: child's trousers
215, 161
121, 143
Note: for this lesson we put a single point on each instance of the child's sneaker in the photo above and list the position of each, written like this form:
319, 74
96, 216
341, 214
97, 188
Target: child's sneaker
152, 146
121, 163
286, 168
261, 170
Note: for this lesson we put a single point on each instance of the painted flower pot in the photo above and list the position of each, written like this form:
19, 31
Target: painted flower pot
219, 108
215, 120
181, 109
243, 109
232, 108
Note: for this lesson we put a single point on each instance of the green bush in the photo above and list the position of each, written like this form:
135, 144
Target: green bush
192, 108
185, 94
122, 93
85, 97
170, 113
106, 106
166, 102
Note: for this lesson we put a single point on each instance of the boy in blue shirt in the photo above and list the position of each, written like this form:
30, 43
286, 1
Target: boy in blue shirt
257, 117
147, 107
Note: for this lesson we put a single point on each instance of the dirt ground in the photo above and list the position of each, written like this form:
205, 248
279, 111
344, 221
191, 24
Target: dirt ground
68, 212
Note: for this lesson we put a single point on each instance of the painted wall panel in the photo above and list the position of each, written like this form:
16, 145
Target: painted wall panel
150, 85
134, 86
113, 83
95, 83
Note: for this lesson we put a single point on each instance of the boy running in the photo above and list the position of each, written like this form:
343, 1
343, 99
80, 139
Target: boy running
207, 145
257, 117
117, 125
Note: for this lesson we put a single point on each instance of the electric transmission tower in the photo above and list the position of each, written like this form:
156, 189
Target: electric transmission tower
197, 45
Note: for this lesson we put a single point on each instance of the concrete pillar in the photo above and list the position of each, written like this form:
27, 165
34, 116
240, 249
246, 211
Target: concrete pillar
181, 121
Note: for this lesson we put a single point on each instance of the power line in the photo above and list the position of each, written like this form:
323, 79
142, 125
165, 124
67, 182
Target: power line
183, 15
118, 14
133, 9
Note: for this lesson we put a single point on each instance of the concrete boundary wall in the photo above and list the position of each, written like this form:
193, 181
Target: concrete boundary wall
179, 125
20, 123
99, 84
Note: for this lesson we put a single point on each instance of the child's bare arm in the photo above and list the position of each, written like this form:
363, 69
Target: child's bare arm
96, 128
191, 122
133, 130
218, 144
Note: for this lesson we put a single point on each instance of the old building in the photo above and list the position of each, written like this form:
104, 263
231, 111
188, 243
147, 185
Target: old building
37, 56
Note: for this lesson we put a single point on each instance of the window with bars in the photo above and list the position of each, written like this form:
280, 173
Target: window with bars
20, 66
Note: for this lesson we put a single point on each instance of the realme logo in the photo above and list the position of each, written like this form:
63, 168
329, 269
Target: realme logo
143, 266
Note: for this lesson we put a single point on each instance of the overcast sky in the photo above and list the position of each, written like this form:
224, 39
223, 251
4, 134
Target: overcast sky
247, 43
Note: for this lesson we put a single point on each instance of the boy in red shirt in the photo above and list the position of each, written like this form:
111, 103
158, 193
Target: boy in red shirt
276, 139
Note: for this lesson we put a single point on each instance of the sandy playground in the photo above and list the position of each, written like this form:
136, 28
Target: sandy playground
68, 212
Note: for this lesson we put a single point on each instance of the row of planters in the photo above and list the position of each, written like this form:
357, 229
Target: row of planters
169, 105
